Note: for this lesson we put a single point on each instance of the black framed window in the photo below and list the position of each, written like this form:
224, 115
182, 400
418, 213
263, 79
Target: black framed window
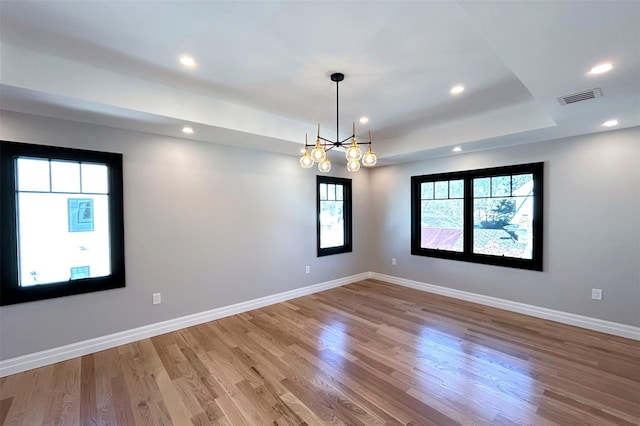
491, 216
62, 226
334, 215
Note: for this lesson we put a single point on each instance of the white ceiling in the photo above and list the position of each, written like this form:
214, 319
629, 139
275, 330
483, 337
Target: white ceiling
262, 79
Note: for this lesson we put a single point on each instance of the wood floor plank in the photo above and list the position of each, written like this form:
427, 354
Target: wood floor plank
231, 411
355, 389
44, 381
5, 405
322, 403
139, 399
63, 407
19, 400
363, 354
602, 412
122, 401
88, 402
176, 408
307, 416
106, 368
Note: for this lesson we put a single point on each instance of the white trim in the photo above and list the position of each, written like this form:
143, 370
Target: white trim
617, 329
63, 353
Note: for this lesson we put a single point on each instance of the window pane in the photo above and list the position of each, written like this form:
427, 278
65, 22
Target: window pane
65, 176
48, 250
331, 192
441, 225
95, 178
481, 187
426, 190
323, 191
502, 227
501, 186
522, 184
339, 192
456, 188
442, 189
33, 175
331, 224
494, 213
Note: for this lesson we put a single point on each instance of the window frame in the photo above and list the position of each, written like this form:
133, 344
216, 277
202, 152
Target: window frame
467, 255
348, 231
10, 290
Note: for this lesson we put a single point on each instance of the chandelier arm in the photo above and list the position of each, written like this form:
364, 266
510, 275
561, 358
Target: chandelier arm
346, 139
326, 140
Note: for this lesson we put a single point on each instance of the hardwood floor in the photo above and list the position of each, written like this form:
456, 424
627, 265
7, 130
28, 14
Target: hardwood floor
364, 354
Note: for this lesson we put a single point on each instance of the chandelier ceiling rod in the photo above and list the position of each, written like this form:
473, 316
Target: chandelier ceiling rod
354, 154
337, 77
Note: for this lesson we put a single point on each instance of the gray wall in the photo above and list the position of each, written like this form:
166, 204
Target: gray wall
206, 225
591, 235
209, 225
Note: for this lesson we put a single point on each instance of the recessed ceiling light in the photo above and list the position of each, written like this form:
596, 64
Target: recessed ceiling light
187, 130
457, 89
188, 61
610, 123
601, 68
457, 149
364, 120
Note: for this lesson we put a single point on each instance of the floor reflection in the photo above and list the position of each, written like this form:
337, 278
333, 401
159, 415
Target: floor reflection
461, 372
333, 338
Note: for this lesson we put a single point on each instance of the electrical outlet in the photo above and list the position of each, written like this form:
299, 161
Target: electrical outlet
596, 293
157, 298
394, 262
307, 269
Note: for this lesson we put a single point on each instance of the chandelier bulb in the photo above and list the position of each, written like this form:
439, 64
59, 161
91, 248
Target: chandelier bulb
353, 152
369, 159
353, 166
306, 161
324, 166
318, 153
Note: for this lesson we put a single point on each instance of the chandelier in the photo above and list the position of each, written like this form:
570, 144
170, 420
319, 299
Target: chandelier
354, 154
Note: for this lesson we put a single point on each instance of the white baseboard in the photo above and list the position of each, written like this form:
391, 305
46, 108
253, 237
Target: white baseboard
617, 329
63, 353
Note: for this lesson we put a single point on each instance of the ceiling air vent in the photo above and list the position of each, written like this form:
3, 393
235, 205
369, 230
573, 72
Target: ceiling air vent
578, 97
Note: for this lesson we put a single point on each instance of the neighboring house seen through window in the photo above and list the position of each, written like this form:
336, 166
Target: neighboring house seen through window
62, 222
491, 216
